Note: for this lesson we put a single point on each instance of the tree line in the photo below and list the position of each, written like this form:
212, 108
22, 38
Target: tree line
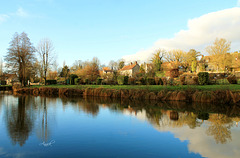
39, 63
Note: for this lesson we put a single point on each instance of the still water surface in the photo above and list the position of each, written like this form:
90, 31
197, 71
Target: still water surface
95, 127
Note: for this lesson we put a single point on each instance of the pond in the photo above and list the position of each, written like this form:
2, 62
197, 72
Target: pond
98, 127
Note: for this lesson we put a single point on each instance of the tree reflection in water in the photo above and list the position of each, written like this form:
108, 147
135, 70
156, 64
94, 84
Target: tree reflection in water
43, 131
20, 120
219, 128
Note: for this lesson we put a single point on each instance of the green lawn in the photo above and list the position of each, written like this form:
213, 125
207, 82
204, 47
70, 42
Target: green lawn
152, 87
5, 85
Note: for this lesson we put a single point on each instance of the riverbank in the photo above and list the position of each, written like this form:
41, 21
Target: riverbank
155, 88
222, 95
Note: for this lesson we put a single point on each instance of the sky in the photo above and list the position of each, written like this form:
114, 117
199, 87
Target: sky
115, 29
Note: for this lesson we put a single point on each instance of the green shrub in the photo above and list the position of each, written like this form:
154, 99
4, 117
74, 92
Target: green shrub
222, 81
125, 82
78, 81
50, 82
99, 81
72, 79
120, 80
3, 82
203, 78
150, 81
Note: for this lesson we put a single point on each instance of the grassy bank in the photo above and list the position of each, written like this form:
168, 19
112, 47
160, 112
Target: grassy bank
153, 88
227, 94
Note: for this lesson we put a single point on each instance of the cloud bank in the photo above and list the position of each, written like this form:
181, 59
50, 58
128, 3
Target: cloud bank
201, 32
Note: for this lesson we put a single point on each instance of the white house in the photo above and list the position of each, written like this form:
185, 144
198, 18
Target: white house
130, 70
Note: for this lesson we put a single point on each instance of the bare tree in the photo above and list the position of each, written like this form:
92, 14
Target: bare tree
176, 56
45, 50
113, 65
20, 56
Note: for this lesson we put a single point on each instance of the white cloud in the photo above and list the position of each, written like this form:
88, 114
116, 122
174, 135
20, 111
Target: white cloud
3, 17
21, 12
238, 3
198, 140
201, 32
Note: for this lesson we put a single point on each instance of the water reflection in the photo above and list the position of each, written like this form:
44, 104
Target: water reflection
43, 131
20, 119
219, 128
195, 122
219, 118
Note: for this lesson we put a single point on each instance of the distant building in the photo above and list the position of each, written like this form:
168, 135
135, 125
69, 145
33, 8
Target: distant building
147, 67
209, 63
10, 78
236, 64
130, 70
107, 70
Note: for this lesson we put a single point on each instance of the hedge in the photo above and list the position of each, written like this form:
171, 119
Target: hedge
99, 81
50, 82
72, 79
203, 78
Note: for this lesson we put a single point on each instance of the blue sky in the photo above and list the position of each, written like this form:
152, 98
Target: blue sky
107, 29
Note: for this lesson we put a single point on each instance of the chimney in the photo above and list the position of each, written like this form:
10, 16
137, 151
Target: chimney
131, 63
136, 62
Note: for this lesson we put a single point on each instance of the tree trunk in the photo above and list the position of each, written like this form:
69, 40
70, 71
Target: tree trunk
45, 76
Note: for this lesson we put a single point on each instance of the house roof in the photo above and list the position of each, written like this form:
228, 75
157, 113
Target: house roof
107, 69
128, 67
